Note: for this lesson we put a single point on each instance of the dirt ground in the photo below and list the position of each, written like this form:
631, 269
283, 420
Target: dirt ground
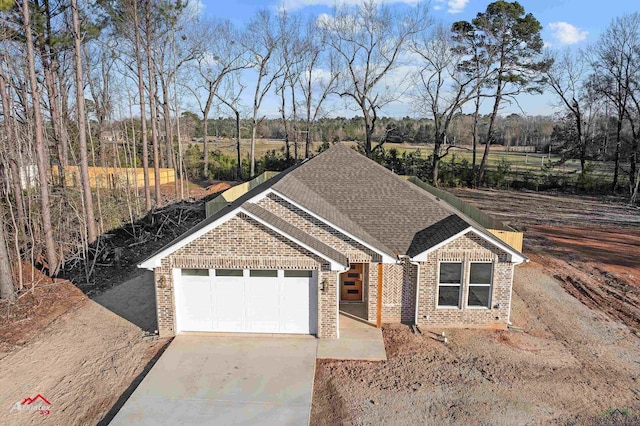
578, 303
83, 361
569, 366
592, 246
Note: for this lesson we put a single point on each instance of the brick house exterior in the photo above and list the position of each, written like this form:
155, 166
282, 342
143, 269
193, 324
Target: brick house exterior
291, 224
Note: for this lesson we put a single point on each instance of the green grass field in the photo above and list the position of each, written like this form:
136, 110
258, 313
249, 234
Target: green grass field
519, 161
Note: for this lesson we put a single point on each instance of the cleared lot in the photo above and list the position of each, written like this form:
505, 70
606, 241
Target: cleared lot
591, 245
569, 366
83, 361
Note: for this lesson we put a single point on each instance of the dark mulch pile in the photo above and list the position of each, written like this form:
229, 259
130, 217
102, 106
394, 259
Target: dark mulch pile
116, 254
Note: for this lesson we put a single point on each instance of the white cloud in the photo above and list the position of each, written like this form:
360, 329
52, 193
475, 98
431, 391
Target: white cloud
566, 33
455, 6
195, 8
299, 4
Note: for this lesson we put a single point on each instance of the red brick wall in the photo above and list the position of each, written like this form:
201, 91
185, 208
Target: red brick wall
467, 248
244, 243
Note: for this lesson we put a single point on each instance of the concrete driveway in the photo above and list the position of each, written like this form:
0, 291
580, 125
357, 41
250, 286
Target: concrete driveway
226, 381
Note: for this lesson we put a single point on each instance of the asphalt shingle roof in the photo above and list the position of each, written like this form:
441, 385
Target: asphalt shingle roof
361, 197
369, 201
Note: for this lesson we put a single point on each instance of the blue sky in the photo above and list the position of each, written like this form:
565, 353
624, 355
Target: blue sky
573, 23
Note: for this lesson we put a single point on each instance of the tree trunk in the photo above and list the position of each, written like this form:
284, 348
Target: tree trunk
205, 132
12, 152
635, 197
616, 158
168, 131
153, 109
50, 69
287, 148
295, 121
143, 119
368, 135
50, 248
633, 164
436, 159
252, 159
237, 113
492, 120
82, 127
474, 162
7, 291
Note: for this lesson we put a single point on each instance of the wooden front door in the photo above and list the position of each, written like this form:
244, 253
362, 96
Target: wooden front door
351, 283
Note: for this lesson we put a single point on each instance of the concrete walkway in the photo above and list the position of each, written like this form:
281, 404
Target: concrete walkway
226, 381
358, 341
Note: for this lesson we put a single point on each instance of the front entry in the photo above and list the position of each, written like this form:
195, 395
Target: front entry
351, 283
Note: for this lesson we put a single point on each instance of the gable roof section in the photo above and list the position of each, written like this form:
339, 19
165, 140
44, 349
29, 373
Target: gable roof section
296, 191
287, 229
368, 200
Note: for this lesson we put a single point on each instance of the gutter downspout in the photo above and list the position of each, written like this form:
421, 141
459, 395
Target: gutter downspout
513, 271
417, 265
379, 313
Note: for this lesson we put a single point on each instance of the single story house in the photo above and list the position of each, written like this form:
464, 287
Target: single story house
337, 232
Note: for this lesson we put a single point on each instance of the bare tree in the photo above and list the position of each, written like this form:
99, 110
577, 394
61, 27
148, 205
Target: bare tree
566, 77
369, 39
149, 31
222, 56
81, 114
41, 155
317, 77
231, 98
442, 87
143, 119
616, 76
12, 149
261, 39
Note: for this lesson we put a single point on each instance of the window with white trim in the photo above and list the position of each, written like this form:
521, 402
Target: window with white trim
480, 278
449, 284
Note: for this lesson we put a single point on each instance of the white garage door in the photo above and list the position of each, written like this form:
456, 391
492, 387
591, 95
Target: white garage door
250, 301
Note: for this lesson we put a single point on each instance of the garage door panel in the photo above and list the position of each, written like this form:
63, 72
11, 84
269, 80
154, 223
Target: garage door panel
294, 301
262, 304
195, 304
229, 304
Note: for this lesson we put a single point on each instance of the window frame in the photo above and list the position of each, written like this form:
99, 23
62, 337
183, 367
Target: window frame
459, 285
490, 285
197, 275
218, 273
297, 273
269, 273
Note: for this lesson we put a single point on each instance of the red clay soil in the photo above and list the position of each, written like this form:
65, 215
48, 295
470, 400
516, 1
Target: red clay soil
36, 308
591, 245
568, 367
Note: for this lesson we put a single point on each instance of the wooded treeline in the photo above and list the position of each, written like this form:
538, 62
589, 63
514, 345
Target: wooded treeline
111, 83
